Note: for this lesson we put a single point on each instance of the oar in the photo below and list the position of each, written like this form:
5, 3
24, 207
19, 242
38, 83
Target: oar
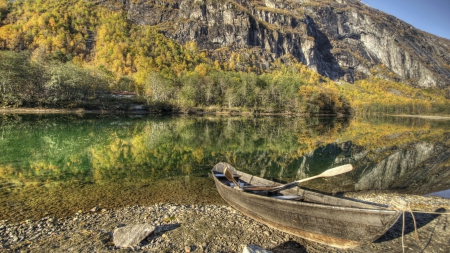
229, 175
328, 173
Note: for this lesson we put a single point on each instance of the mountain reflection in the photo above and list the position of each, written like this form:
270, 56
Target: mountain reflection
398, 154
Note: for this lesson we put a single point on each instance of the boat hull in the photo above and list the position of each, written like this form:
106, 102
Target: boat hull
338, 226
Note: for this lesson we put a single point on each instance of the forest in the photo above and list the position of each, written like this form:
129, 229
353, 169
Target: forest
75, 54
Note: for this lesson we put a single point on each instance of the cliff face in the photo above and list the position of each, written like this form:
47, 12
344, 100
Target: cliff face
341, 39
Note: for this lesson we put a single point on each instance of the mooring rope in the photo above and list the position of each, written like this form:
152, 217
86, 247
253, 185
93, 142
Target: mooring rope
401, 204
416, 211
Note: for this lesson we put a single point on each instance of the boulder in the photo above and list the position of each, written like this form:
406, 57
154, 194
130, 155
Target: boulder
130, 236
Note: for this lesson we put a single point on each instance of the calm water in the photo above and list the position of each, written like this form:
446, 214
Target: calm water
59, 164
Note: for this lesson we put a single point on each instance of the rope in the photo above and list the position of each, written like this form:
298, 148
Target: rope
400, 204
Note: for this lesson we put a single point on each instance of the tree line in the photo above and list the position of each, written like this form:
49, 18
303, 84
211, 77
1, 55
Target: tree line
380, 96
295, 89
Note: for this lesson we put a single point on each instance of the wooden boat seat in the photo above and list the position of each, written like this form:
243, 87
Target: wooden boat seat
221, 175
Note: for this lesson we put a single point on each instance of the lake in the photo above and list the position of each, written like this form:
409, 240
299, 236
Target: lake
57, 165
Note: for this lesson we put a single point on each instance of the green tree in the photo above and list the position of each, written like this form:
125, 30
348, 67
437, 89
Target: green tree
20, 79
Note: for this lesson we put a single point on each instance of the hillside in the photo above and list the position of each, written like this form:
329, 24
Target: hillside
341, 39
181, 51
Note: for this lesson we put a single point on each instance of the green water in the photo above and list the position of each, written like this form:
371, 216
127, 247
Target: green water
59, 164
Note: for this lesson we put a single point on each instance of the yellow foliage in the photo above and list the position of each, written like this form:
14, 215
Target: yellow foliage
383, 96
232, 65
3, 4
198, 154
201, 69
120, 46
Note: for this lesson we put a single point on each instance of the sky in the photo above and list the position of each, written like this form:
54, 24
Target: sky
432, 16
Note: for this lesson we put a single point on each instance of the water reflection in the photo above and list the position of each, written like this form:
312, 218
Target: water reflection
442, 194
48, 159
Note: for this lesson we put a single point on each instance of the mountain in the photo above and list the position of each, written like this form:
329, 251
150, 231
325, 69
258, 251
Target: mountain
342, 39
294, 56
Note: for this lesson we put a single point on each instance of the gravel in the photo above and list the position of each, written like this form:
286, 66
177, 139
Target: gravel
211, 228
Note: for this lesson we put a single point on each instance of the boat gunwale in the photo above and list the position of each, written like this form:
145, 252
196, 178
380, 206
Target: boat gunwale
375, 208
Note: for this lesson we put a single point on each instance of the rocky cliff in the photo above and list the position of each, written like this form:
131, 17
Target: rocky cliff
342, 39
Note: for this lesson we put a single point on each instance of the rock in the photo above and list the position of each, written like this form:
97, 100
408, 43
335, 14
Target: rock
255, 249
95, 209
342, 39
132, 235
187, 249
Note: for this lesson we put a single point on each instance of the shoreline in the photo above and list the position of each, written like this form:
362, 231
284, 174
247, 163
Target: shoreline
424, 117
39, 111
212, 228
78, 111
195, 111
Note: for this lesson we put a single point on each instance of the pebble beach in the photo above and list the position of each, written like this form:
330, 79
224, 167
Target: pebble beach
212, 228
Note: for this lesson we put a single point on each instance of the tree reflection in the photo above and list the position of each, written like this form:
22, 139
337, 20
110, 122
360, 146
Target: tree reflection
103, 149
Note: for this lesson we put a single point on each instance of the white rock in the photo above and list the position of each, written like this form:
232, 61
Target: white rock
130, 236
255, 249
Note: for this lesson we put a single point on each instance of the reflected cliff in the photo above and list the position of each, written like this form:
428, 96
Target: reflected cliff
388, 153
84, 160
391, 154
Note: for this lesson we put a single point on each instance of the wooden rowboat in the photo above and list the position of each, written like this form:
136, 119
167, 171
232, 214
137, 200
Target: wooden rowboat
338, 222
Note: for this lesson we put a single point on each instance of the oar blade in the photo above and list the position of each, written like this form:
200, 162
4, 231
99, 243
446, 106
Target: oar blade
337, 170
